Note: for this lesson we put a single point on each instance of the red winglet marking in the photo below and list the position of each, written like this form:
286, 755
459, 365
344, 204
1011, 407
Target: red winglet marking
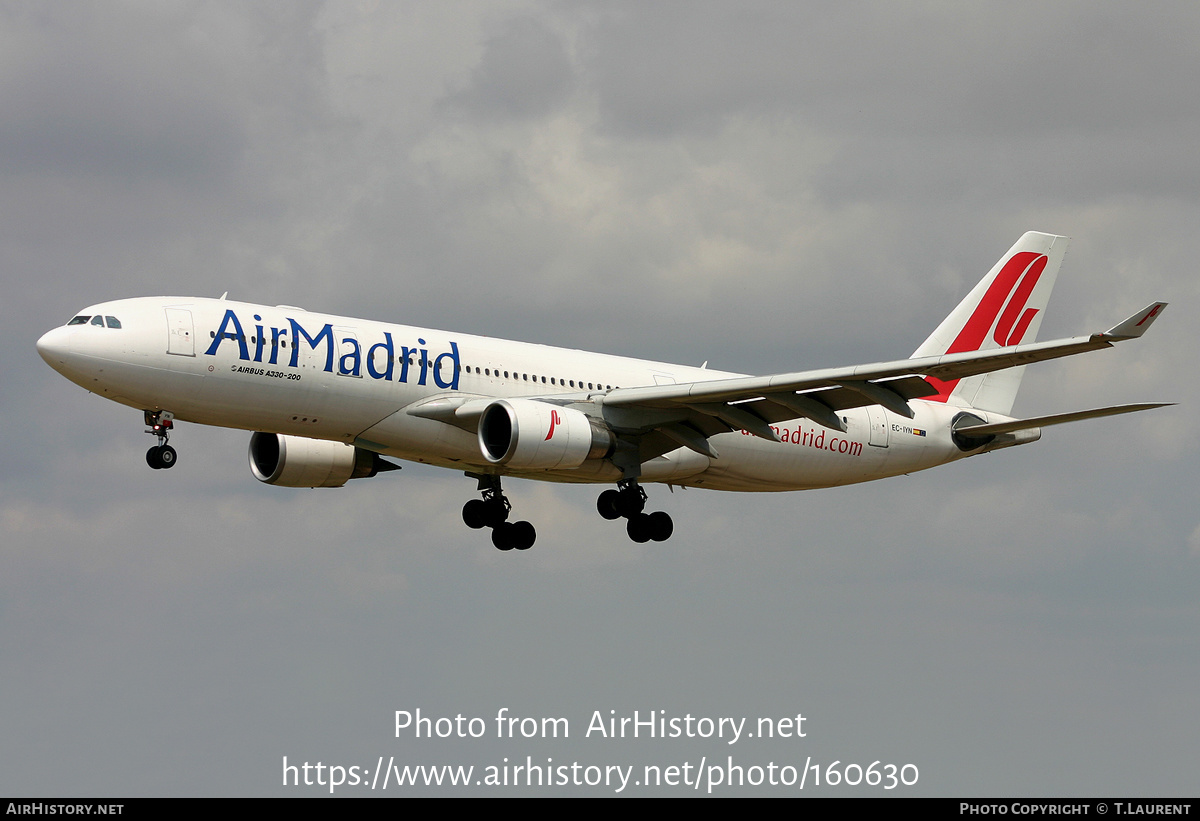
1147, 316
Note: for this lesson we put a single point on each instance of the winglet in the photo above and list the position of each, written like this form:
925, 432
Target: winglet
1137, 324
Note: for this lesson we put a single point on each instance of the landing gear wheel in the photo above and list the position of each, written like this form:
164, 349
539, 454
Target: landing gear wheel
608, 504
166, 457
475, 514
152, 458
502, 536
640, 528
661, 526
522, 534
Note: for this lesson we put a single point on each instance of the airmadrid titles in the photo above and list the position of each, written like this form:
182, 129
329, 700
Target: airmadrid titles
343, 353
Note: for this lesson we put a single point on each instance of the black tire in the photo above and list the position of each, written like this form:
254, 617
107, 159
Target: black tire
661, 526
630, 503
496, 512
522, 534
639, 528
152, 458
167, 456
475, 514
607, 504
502, 536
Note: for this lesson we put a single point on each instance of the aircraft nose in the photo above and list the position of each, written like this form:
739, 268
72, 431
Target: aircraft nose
54, 346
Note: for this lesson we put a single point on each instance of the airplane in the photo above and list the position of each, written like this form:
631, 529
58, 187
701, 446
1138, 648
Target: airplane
327, 398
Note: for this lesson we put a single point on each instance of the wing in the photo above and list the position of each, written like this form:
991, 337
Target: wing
753, 403
663, 417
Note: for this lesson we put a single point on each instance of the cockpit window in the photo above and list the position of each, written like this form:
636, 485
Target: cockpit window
98, 321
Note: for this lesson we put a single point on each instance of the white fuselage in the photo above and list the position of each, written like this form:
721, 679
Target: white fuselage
285, 370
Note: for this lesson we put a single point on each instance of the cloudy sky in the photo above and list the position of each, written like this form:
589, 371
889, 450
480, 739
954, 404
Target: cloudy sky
765, 186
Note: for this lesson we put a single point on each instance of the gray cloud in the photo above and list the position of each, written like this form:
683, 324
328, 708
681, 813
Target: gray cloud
524, 72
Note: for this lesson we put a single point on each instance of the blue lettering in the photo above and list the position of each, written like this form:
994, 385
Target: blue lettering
275, 334
350, 364
454, 368
405, 353
224, 333
389, 355
297, 332
259, 340
445, 366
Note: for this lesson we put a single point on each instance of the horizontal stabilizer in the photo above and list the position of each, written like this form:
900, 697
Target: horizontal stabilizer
1056, 419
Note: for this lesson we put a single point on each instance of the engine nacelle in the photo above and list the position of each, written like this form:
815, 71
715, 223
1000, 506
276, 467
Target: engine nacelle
523, 433
295, 461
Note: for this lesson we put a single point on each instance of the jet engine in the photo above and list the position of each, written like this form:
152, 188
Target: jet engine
295, 461
523, 433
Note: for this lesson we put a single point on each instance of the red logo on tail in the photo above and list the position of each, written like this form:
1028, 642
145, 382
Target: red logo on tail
1009, 291
554, 421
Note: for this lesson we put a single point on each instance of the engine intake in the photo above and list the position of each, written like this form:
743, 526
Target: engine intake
523, 433
296, 461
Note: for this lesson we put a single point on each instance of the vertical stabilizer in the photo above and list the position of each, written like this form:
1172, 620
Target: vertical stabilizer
1005, 308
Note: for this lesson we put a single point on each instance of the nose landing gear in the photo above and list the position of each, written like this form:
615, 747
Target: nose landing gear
162, 455
492, 511
629, 501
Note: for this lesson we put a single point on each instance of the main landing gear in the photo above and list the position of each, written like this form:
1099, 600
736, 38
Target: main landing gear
162, 455
629, 501
492, 511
